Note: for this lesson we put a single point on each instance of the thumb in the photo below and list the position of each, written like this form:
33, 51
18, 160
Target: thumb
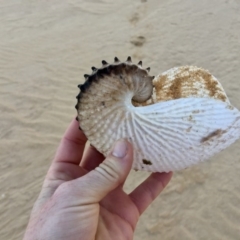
110, 173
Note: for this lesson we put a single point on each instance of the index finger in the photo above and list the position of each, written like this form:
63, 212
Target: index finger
147, 191
72, 145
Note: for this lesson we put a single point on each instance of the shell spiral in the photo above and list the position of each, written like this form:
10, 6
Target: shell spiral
174, 120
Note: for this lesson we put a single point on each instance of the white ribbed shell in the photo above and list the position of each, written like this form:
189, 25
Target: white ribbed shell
188, 119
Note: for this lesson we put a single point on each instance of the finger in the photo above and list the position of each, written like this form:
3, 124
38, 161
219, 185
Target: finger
95, 185
63, 167
72, 145
147, 191
91, 159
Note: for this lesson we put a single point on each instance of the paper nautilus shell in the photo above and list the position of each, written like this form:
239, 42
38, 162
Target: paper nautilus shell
175, 120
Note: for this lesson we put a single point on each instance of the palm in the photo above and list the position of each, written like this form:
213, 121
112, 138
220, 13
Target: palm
117, 207
117, 210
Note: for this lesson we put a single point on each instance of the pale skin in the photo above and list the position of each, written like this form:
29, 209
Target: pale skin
83, 197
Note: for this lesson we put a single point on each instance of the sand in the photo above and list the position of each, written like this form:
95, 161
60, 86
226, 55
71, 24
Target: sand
47, 46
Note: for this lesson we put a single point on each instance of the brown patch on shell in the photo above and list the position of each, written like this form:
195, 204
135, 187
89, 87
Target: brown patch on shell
159, 84
212, 86
196, 111
187, 81
216, 133
176, 89
146, 162
221, 96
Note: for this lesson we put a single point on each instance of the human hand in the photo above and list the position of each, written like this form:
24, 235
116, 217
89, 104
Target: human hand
83, 198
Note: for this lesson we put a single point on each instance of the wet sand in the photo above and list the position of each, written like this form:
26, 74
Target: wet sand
46, 47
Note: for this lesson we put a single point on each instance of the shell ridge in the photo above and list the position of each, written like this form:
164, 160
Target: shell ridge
143, 141
163, 163
103, 116
167, 132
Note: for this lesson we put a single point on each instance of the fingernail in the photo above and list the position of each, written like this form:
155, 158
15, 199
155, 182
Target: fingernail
120, 149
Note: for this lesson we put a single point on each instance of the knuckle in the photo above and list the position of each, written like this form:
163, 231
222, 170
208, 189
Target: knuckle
109, 171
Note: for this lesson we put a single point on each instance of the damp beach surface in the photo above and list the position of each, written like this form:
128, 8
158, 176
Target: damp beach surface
46, 47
